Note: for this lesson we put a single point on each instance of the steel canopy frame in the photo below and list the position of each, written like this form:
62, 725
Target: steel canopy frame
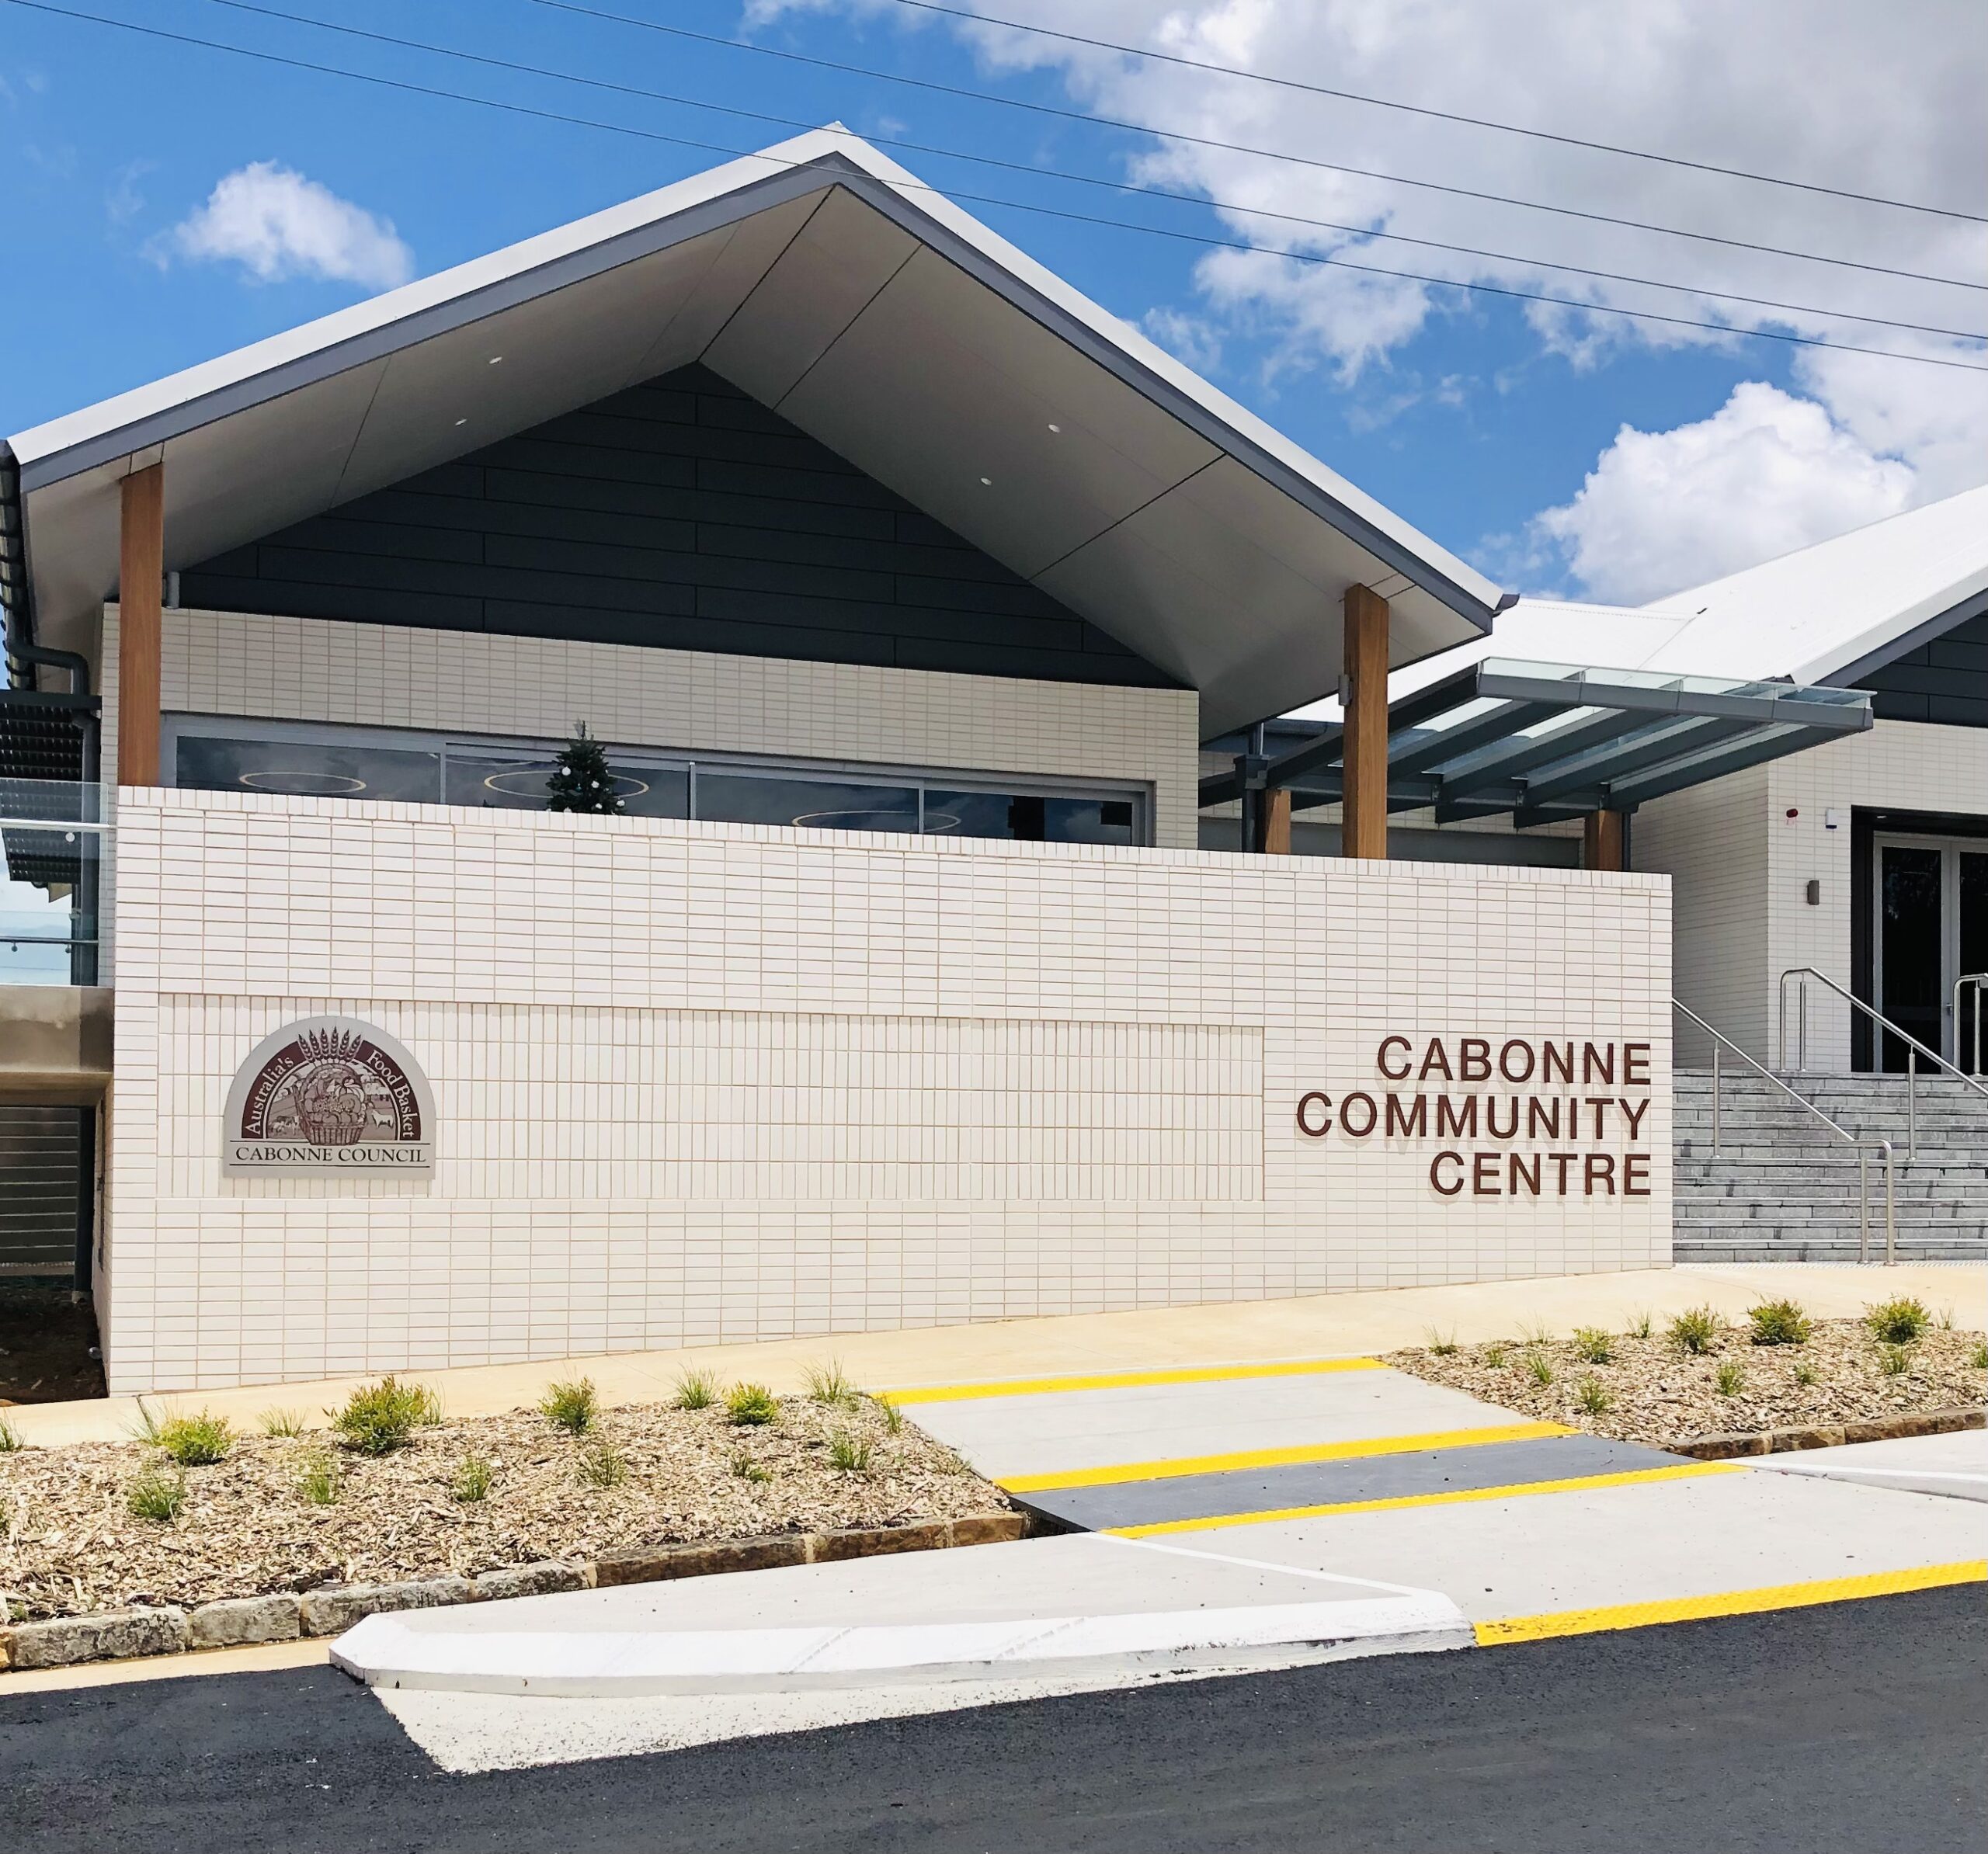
1547, 741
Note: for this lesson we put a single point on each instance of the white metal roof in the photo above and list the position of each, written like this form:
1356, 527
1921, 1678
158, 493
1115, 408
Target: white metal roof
826, 280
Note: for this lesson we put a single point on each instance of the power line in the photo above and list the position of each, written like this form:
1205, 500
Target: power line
1206, 141
789, 122
1447, 116
554, 116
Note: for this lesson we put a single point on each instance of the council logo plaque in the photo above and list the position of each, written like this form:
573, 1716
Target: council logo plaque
328, 1097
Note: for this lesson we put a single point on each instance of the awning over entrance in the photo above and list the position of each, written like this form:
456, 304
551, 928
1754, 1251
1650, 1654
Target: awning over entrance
1545, 741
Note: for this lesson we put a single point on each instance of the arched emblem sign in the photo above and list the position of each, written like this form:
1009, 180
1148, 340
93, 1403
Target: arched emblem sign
328, 1097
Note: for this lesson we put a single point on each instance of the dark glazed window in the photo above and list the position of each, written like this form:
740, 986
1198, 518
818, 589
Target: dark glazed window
815, 804
308, 769
1028, 818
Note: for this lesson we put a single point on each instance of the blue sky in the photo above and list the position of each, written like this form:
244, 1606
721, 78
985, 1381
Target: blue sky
1474, 418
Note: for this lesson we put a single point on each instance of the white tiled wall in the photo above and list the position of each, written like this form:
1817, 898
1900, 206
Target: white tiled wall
707, 1081
697, 701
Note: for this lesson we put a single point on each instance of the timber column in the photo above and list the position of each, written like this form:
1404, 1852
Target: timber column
1363, 832
141, 571
1604, 840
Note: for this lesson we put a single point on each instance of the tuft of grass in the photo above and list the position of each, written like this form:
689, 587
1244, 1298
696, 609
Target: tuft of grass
1535, 1332
317, 1481
281, 1422
750, 1406
157, 1493
1695, 1330
474, 1478
1947, 1318
1898, 1322
1978, 1357
1640, 1324
1779, 1323
604, 1465
747, 1469
146, 1429
696, 1389
1494, 1356
1593, 1345
569, 1406
1805, 1376
1591, 1394
196, 1441
830, 1384
1894, 1361
1729, 1379
1442, 1345
1542, 1368
893, 1418
378, 1418
10, 1438
850, 1452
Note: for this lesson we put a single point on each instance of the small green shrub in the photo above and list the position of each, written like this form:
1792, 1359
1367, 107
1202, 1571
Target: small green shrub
281, 1422
317, 1481
1542, 1368
1640, 1324
747, 1469
1442, 1345
829, 1384
1778, 1322
1729, 1379
157, 1493
1535, 1332
604, 1465
570, 1407
1696, 1329
474, 1478
378, 1418
1805, 1376
748, 1406
196, 1441
893, 1418
1494, 1356
1593, 1345
1978, 1358
1947, 1318
1894, 1361
10, 1438
850, 1452
1591, 1394
696, 1389
1898, 1322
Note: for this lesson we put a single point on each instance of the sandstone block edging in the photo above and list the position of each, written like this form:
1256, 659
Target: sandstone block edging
1825, 1436
231, 1621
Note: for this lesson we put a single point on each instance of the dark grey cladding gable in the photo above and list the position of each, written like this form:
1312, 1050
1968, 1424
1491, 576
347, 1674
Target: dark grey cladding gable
1944, 679
679, 514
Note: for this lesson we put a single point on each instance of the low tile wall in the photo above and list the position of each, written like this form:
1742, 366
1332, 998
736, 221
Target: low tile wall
699, 1082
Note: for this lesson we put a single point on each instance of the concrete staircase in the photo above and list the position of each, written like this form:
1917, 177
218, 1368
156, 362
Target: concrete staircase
1783, 1188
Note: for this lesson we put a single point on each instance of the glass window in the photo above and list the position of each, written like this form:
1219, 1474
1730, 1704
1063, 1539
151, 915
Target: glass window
308, 769
813, 804
1023, 817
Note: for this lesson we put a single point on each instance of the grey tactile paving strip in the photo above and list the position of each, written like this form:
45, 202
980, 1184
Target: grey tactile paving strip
1329, 1483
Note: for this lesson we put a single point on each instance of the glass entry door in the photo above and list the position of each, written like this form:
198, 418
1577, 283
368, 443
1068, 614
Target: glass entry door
1932, 928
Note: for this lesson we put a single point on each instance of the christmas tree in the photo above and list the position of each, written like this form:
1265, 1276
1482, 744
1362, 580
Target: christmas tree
581, 781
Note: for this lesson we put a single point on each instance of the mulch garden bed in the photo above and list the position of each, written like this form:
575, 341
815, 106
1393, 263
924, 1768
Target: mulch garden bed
71, 1545
1651, 1388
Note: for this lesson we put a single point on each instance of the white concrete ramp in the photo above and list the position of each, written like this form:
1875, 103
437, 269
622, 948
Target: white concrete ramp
1067, 1605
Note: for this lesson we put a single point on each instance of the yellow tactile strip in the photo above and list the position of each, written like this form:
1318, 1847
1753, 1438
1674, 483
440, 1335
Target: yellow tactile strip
1729, 1602
1174, 1470
1515, 1491
1123, 1381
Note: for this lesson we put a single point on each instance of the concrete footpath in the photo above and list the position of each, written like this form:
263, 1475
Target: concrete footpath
1318, 1326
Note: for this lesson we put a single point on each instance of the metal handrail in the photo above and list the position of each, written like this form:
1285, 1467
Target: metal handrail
1914, 1048
1980, 981
1862, 1146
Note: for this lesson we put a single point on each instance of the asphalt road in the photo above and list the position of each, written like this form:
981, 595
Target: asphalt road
1856, 1728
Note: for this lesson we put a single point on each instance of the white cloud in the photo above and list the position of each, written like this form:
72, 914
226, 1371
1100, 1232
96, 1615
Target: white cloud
1766, 473
275, 224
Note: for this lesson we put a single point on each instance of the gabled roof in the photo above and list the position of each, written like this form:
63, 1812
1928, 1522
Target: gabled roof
829, 283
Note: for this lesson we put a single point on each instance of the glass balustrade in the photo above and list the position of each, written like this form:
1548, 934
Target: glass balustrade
54, 838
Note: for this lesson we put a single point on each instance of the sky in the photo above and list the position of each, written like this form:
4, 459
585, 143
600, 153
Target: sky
167, 202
